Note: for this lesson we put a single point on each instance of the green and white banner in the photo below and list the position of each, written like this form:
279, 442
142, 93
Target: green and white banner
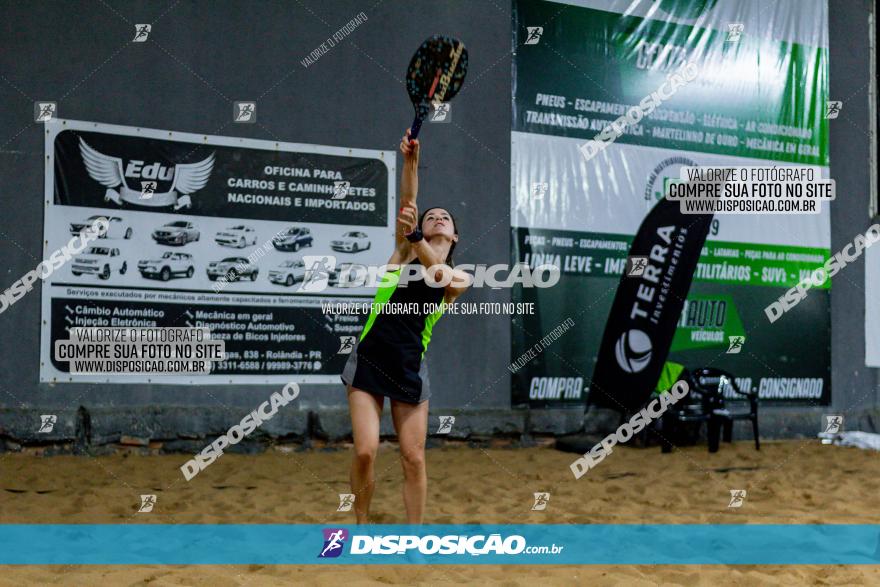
758, 98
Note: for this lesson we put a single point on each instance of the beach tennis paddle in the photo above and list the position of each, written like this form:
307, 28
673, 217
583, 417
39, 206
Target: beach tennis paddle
435, 74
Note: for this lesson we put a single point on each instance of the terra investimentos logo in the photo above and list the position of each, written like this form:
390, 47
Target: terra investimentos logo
633, 347
633, 350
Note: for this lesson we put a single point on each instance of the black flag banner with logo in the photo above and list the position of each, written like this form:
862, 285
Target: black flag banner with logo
649, 300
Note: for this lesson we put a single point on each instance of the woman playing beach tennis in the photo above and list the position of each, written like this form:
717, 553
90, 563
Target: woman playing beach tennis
387, 360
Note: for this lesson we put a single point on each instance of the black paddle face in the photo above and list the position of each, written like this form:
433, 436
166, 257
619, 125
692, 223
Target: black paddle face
435, 73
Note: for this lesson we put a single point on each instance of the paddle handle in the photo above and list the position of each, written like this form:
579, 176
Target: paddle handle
414, 129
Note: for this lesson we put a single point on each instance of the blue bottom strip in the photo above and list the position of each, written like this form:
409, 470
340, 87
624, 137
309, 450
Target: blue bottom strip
583, 544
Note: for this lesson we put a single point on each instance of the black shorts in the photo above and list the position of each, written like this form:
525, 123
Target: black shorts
388, 372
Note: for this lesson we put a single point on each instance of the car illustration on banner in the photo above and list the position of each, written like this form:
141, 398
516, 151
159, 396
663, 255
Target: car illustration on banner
233, 269
118, 228
167, 266
293, 239
288, 272
236, 236
351, 242
100, 261
178, 232
348, 275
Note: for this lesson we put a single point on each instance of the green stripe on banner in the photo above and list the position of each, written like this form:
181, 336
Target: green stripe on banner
756, 97
594, 254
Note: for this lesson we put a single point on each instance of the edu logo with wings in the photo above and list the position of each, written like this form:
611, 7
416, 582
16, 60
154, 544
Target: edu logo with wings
109, 171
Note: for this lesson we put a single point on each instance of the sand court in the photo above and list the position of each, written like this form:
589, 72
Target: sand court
787, 482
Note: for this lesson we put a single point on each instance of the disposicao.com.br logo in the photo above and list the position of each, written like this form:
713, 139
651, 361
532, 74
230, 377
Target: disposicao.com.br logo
431, 544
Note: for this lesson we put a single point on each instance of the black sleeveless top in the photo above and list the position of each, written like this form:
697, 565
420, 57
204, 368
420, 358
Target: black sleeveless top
396, 336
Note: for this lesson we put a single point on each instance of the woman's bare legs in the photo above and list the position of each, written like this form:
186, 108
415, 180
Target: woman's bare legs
366, 411
411, 423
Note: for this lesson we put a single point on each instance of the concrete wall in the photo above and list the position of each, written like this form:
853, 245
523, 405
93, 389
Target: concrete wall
201, 56
854, 386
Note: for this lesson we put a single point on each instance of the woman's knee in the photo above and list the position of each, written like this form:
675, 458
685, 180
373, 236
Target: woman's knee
365, 455
413, 459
